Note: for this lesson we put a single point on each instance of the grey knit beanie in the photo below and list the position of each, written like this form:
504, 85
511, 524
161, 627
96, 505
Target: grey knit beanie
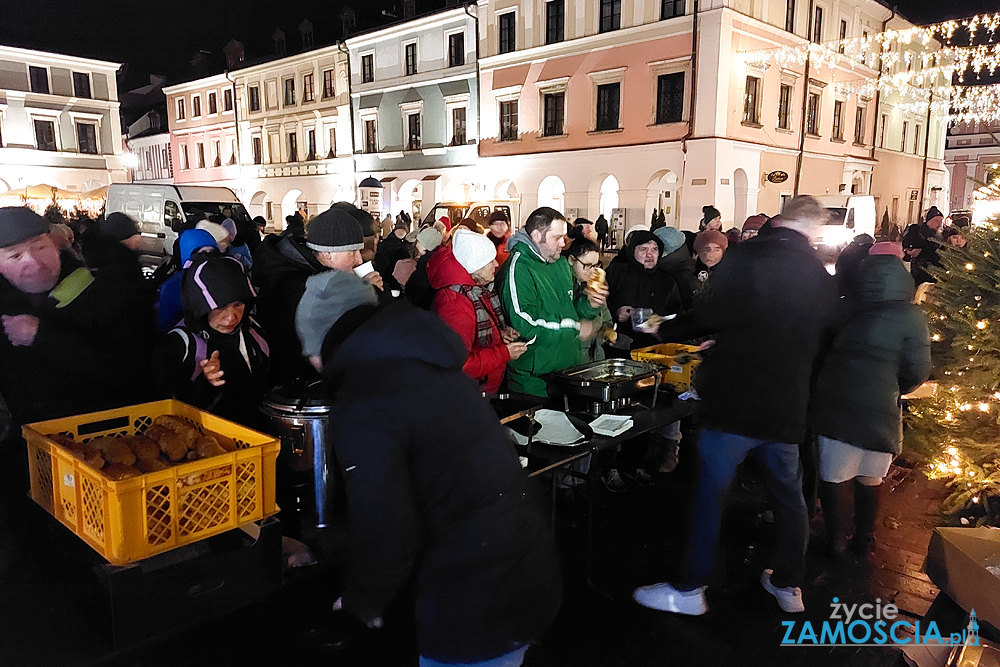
327, 297
335, 230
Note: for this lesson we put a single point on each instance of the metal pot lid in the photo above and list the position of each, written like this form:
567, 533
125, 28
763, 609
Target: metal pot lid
299, 398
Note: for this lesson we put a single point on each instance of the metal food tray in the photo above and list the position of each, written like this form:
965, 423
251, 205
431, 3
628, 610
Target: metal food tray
610, 379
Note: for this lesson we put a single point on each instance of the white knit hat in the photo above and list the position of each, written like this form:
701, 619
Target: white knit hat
473, 251
217, 231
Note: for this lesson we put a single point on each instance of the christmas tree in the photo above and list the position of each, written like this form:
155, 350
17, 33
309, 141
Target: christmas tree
958, 430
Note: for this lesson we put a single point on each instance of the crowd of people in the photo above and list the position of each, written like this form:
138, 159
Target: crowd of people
384, 310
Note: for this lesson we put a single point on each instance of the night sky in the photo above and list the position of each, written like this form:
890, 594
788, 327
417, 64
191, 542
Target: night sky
162, 37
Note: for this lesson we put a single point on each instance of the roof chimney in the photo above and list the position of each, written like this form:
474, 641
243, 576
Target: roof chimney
235, 53
279, 42
306, 30
409, 9
347, 21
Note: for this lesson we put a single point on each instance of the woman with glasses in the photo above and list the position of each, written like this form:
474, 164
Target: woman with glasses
585, 260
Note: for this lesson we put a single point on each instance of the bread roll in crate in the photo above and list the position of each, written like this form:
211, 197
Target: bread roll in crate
139, 480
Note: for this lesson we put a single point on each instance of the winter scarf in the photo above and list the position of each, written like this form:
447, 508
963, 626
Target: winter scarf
488, 313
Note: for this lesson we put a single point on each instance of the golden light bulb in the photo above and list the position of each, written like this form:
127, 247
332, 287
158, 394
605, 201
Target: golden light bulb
984, 407
952, 450
969, 266
936, 337
981, 324
965, 407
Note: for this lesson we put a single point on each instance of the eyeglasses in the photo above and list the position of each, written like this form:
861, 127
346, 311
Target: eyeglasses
587, 267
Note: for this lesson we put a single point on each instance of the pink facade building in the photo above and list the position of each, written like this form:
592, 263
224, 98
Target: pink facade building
203, 140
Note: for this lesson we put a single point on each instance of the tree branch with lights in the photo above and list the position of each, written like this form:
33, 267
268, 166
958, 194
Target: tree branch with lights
958, 430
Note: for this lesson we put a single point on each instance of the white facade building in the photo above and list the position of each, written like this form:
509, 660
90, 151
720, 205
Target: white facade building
415, 95
973, 157
294, 132
60, 132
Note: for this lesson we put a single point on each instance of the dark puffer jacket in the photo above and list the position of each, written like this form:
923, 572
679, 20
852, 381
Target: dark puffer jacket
679, 265
772, 304
632, 284
443, 502
281, 266
880, 352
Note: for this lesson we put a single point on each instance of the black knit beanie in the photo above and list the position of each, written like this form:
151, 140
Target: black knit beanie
20, 223
118, 226
335, 230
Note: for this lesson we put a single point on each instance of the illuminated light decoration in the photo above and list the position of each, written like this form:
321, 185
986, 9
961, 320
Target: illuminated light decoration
936, 337
919, 78
984, 407
968, 267
982, 324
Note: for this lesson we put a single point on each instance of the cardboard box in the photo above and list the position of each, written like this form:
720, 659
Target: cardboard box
957, 562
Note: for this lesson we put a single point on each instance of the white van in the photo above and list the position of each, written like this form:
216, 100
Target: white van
849, 217
162, 210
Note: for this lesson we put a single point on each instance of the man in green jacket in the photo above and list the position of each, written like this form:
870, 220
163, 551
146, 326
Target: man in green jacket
535, 285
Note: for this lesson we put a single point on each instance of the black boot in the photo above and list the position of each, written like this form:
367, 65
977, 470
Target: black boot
865, 511
836, 502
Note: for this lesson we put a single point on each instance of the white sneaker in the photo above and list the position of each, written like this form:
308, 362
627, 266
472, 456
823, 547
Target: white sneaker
665, 597
789, 598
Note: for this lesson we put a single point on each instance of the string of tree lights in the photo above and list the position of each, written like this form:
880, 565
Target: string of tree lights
919, 64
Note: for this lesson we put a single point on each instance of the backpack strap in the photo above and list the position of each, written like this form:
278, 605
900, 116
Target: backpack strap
200, 347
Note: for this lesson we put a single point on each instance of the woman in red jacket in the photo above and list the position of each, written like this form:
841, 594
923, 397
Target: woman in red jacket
463, 275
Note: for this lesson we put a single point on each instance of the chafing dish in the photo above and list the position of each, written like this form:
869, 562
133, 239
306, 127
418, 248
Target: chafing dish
609, 381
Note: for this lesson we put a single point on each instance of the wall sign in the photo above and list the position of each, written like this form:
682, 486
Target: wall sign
777, 177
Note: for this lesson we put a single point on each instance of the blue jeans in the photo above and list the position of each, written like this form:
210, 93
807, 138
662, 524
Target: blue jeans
719, 454
513, 659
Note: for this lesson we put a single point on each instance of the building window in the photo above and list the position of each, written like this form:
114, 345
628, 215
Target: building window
458, 126
881, 136
812, 114
289, 92
371, 136
611, 15
555, 21
180, 109
508, 121
310, 144
308, 92
790, 15
413, 132
81, 84
670, 98
227, 99
232, 152
671, 8
213, 103
39, 77
367, 68
608, 105
200, 154
254, 98
258, 150
293, 147
86, 136
196, 106
838, 120
554, 105
411, 58
329, 90
332, 143
751, 101
508, 33
859, 125
843, 35
916, 140
216, 153
45, 135
818, 25
784, 105
185, 165
902, 139
456, 49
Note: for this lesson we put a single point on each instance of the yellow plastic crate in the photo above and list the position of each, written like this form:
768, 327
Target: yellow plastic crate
139, 517
677, 375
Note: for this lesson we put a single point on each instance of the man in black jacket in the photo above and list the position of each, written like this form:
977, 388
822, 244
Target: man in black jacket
440, 502
635, 281
772, 302
72, 340
921, 245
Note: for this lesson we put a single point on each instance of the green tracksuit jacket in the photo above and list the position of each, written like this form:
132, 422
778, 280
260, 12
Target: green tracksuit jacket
537, 298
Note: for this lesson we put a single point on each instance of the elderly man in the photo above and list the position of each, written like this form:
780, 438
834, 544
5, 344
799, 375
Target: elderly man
282, 264
772, 302
72, 341
636, 282
535, 286
921, 244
